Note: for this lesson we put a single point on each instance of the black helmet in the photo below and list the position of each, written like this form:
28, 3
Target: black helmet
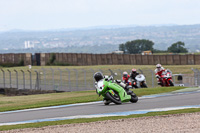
98, 76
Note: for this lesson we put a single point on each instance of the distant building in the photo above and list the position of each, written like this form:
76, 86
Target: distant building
29, 44
147, 52
118, 52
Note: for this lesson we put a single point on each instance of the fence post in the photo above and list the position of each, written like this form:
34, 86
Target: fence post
4, 81
76, 71
16, 78
69, 81
195, 78
37, 84
10, 78
30, 79
174, 78
52, 70
85, 78
198, 82
60, 78
23, 78
152, 76
140, 71
121, 72
93, 77
44, 72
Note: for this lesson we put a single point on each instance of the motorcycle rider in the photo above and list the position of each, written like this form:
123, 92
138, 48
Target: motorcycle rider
127, 83
133, 74
158, 72
98, 76
125, 77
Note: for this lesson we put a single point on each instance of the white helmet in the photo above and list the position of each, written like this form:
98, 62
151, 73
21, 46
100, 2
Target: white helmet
125, 74
159, 67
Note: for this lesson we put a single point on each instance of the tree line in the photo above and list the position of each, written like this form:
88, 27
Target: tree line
140, 45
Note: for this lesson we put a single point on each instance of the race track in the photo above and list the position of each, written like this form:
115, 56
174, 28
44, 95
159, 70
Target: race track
144, 103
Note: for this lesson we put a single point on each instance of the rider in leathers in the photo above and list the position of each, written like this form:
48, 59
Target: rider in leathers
158, 72
133, 74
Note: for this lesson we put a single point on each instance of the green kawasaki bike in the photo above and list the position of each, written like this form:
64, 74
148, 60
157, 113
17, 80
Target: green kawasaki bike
113, 90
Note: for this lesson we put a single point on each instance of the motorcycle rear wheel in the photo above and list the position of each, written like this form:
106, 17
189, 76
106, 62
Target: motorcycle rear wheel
113, 98
144, 85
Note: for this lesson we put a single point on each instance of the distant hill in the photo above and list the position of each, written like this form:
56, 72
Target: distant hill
106, 37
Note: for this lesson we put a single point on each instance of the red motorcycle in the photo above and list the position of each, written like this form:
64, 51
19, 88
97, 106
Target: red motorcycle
166, 78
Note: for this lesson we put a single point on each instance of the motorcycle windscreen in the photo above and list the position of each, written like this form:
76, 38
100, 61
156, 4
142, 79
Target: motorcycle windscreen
140, 77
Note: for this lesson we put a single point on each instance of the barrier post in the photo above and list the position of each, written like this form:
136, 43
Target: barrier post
23, 79
17, 79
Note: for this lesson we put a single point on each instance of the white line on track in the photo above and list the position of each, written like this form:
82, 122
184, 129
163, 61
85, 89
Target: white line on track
103, 115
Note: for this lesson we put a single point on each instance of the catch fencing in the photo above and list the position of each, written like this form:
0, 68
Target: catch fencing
78, 79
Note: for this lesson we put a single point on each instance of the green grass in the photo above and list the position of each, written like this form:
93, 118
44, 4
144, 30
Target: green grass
184, 69
8, 103
158, 90
42, 124
43, 100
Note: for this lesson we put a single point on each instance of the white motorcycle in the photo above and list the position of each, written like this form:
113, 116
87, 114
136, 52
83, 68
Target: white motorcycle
140, 81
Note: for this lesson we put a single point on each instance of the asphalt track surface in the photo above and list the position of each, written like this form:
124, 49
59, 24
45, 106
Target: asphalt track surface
165, 101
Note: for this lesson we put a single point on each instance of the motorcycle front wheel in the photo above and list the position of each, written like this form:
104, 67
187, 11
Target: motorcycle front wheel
114, 99
171, 83
134, 98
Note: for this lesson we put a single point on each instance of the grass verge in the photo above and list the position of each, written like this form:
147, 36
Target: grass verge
8, 103
42, 124
184, 69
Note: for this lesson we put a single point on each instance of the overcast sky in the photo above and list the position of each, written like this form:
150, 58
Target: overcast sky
57, 14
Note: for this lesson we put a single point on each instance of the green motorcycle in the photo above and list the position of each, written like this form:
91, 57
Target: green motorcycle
113, 90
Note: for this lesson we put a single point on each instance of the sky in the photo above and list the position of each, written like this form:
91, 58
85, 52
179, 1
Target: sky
59, 14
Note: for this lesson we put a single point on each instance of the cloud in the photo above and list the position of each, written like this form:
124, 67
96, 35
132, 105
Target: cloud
40, 14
